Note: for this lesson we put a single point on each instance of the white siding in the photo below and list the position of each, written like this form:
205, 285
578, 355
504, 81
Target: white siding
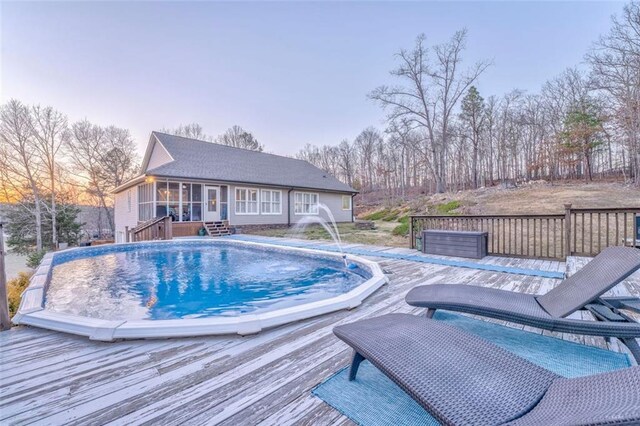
125, 211
159, 156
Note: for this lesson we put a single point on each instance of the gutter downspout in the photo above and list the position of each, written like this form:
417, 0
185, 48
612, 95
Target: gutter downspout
353, 217
289, 207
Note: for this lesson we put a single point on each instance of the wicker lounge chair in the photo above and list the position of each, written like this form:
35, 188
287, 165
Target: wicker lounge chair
461, 379
583, 290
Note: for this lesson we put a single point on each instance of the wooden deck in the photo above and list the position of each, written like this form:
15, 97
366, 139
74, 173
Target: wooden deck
53, 378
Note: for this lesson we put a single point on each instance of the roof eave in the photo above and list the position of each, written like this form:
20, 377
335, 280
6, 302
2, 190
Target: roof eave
341, 191
131, 182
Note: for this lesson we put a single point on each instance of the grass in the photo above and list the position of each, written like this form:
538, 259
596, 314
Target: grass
15, 287
448, 208
382, 235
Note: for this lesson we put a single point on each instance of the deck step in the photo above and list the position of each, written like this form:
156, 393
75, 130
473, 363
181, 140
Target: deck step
217, 229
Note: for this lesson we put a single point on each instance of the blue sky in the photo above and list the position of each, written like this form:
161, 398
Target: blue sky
290, 72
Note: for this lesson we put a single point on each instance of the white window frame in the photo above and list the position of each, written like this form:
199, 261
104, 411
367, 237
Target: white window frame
246, 201
348, 197
269, 200
296, 203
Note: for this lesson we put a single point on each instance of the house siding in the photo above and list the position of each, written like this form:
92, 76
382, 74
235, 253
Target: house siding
158, 157
123, 216
332, 200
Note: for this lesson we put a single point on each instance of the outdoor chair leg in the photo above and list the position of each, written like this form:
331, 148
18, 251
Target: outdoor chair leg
633, 346
430, 313
355, 363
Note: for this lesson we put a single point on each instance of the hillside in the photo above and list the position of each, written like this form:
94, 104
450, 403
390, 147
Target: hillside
536, 197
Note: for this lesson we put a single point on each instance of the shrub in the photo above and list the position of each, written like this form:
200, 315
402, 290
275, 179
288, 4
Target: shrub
404, 219
15, 287
377, 215
447, 208
34, 259
402, 229
391, 216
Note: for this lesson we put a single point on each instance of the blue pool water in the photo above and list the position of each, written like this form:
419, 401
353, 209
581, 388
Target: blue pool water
173, 280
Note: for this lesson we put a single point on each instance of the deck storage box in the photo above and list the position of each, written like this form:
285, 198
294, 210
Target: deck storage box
455, 243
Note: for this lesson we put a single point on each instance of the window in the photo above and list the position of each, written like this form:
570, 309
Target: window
246, 201
271, 201
191, 202
346, 202
306, 203
182, 201
145, 202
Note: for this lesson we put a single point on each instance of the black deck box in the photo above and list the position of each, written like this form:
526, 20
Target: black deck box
455, 243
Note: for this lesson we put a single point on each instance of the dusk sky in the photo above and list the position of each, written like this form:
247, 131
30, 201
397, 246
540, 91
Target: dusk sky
291, 73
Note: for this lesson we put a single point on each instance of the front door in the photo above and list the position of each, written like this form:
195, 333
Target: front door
212, 207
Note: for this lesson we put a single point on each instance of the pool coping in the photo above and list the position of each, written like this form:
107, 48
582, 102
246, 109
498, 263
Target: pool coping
32, 311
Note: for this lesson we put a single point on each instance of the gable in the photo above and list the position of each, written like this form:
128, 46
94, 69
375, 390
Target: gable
159, 156
155, 155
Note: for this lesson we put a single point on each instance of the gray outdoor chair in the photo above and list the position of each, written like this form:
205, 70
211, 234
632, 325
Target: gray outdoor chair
462, 379
583, 290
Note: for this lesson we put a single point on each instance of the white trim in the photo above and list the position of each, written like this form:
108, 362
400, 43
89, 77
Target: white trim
317, 212
262, 212
205, 203
32, 311
235, 205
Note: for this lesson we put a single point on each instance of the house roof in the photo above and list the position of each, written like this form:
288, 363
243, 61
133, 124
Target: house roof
198, 159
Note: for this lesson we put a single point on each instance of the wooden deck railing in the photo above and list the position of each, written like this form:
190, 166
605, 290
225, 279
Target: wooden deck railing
5, 321
576, 232
159, 228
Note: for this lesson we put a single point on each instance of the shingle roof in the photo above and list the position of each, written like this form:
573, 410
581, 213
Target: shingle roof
210, 161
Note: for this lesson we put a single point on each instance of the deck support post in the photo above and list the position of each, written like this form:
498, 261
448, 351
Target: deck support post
567, 230
5, 321
412, 238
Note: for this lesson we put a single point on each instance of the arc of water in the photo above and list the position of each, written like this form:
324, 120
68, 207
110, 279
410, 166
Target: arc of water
331, 230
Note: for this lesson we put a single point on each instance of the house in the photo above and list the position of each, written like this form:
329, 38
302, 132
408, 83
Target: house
196, 182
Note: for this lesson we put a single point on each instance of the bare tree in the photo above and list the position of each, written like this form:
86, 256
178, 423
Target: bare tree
192, 130
430, 94
104, 158
237, 137
50, 131
615, 64
366, 143
19, 158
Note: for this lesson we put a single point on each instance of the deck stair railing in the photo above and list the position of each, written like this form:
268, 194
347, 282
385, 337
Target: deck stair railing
159, 228
583, 232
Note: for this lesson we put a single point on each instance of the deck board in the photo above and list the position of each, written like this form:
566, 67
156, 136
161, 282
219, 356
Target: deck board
53, 378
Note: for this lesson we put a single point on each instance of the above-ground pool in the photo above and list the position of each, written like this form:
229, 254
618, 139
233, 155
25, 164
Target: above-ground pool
190, 287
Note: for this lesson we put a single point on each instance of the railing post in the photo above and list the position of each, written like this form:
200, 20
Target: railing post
168, 229
567, 230
5, 321
412, 243
126, 234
